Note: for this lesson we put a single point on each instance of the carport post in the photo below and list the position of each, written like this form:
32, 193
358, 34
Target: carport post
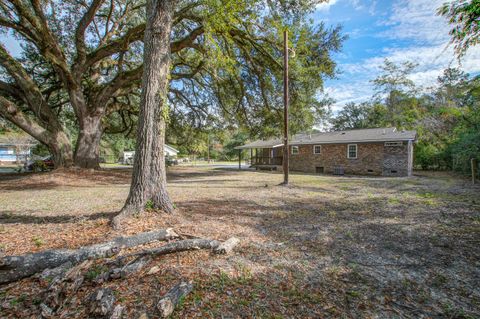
239, 159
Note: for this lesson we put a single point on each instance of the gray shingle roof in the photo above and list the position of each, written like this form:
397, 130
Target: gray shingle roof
350, 136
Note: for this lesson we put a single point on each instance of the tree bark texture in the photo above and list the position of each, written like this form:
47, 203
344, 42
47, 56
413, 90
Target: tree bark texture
13, 268
87, 149
149, 175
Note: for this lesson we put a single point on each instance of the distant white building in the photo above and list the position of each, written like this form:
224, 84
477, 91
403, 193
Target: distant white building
15, 148
128, 156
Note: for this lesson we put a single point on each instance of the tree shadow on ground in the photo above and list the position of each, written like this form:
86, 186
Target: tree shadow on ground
64, 178
406, 258
28, 217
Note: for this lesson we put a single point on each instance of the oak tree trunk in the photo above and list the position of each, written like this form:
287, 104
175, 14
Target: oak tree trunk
149, 176
61, 149
87, 150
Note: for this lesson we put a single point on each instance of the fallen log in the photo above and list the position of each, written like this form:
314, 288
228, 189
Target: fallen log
227, 246
124, 271
13, 268
65, 284
190, 244
167, 303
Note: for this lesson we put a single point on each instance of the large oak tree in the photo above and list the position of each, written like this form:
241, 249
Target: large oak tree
149, 175
85, 58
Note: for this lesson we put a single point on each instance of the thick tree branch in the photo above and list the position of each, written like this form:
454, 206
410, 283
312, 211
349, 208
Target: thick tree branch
123, 80
7, 89
31, 92
183, 75
80, 31
116, 46
136, 34
12, 113
186, 41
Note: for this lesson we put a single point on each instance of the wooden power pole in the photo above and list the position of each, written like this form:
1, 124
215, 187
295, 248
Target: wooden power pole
285, 108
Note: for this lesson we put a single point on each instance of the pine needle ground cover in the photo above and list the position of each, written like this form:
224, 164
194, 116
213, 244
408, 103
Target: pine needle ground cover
324, 247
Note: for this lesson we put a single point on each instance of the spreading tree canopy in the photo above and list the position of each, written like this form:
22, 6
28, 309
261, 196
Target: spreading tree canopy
83, 60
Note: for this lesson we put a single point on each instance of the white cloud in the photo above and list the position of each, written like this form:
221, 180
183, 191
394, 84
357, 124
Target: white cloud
346, 93
415, 21
372, 8
325, 6
356, 4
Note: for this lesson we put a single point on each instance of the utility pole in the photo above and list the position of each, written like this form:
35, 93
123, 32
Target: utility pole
285, 108
208, 148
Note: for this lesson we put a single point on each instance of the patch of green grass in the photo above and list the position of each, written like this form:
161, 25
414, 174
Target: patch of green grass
37, 301
439, 280
93, 272
426, 195
476, 219
393, 201
349, 235
181, 303
430, 202
452, 312
16, 301
332, 214
353, 293
149, 204
38, 241
407, 283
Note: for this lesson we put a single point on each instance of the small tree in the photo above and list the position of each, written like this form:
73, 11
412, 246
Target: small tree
398, 91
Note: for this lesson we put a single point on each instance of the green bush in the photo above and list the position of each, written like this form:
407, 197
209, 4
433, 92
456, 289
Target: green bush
39, 166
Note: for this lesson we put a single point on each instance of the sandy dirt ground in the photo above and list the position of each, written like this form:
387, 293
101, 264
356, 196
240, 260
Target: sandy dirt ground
324, 247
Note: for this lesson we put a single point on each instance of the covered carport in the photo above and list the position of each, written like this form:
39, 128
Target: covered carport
263, 154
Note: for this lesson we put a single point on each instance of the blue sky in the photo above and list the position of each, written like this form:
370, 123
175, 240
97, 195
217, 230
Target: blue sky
401, 30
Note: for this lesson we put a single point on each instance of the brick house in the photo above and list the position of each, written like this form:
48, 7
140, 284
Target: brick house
378, 151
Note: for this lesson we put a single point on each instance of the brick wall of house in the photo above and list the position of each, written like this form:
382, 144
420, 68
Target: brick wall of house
372, 159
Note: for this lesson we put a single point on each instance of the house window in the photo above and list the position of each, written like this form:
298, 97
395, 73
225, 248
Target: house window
294, 150
317, 149
352, 151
